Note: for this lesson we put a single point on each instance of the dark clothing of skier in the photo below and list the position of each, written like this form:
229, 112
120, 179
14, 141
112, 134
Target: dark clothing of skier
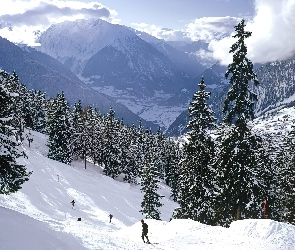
144, 232
73, 203
111, 216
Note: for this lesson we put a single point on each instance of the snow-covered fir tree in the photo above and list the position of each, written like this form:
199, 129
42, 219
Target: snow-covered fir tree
83, 132
93, 133
130, 168
12, 174
242, 164
172, 158
39, 109
18, 106
141, 149
149, 186
96, 155
78, 126
244, 175
59, 130
196, 178
111, 149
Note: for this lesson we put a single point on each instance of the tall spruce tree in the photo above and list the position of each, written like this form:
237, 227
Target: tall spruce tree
196, 176
59, 129
39, 106
19, 90
241, 160
240, 100
130, 168
78, 123
96, 154
12, 174
141, 149
149, 186
112, 152
172, 159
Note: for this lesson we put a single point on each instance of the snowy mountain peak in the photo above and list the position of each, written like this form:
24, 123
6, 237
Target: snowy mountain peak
79, 40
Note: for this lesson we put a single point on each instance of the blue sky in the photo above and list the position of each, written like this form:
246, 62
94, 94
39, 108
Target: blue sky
174, 14
152, 16
270, 21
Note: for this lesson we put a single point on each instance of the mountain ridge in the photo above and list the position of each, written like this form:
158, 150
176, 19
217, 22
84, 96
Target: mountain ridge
39, 71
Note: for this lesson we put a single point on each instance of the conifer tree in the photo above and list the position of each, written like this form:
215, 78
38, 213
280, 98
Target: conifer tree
130, 167
28, 108
172, 167
240, 100
112, 152
141, 148
39, 106
12, 174
161, 150
244, 175
98, 127
149, 183
92, 125
78, 121
19, 91
196, 176
84, 122
59, 129
243, 167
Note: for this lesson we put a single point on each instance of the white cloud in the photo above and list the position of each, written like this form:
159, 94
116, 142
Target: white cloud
209, 28
162, 33
273, 33
206, 28
19, 19
21, 35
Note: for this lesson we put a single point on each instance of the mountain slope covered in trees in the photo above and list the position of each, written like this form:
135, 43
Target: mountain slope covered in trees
39, 71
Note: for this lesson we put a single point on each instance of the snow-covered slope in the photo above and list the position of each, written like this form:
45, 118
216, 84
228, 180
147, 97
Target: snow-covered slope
47, 195
40, 215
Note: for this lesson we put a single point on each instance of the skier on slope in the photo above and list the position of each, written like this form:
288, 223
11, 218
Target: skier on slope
144, 232
111, 216
73, 203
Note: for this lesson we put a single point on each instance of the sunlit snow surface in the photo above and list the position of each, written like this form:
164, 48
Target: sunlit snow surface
40, 216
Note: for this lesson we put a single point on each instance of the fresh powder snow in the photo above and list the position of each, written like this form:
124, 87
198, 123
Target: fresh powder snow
40, 216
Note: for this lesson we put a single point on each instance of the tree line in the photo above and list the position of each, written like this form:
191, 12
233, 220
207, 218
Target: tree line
84, 133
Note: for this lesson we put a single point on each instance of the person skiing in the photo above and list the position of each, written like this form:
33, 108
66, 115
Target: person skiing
111, 216
73, 203
145, 232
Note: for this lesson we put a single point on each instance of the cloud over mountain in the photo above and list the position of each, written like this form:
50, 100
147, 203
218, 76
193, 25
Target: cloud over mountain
273, 33
21, 21
205, 28
44, 11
